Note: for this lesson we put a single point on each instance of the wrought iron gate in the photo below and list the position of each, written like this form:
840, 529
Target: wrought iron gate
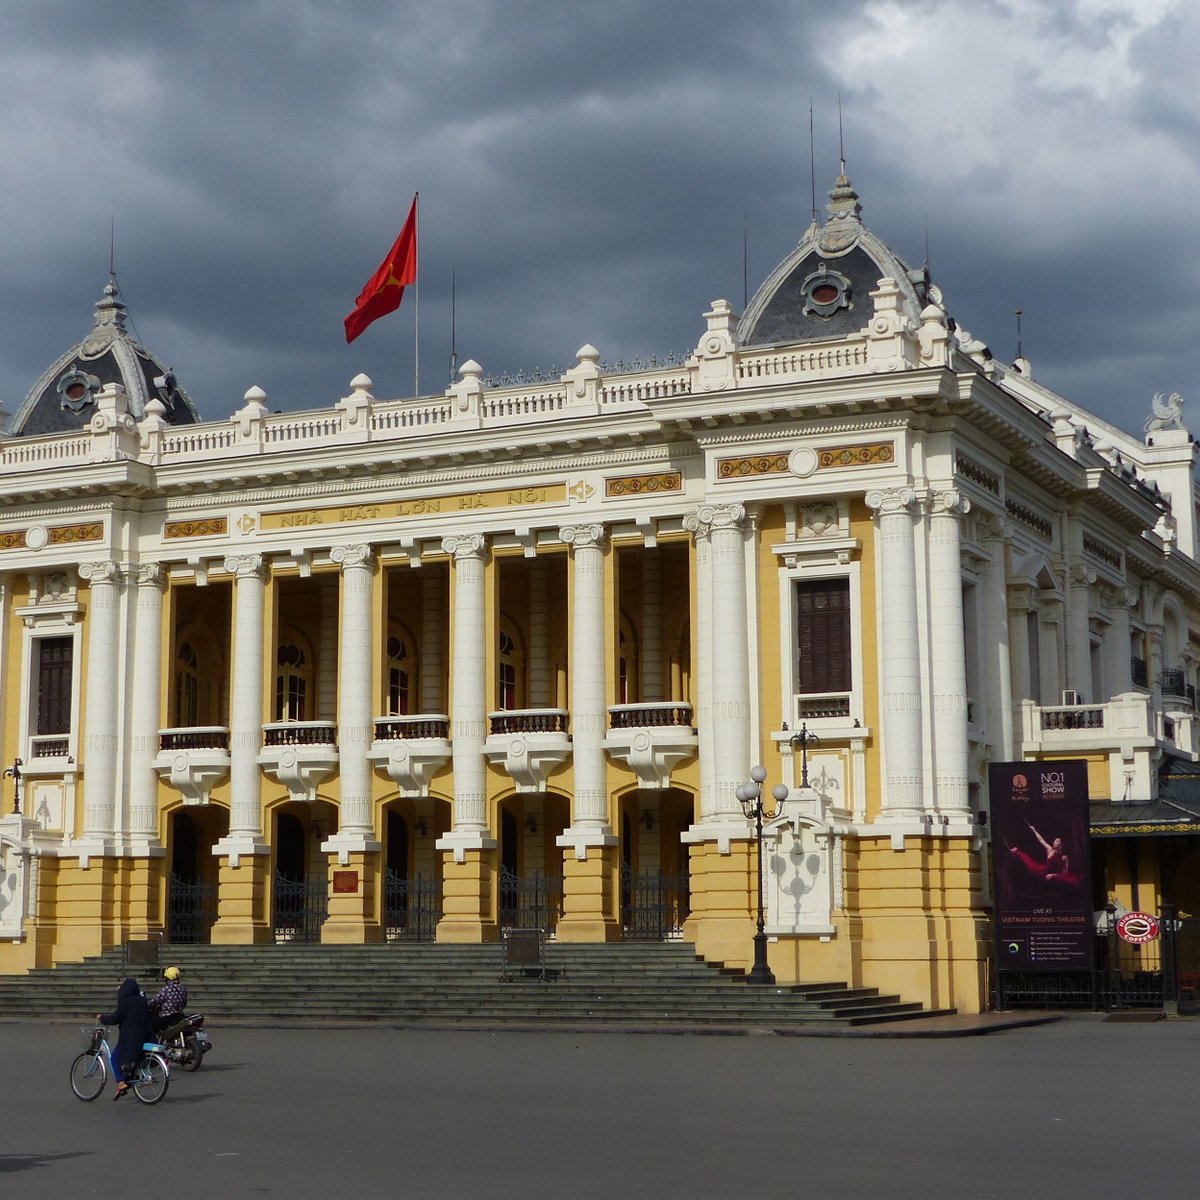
411, 907
191, 910
653, 905
300, 908
530, 901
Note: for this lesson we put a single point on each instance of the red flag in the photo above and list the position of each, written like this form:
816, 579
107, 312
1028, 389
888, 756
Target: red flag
383, 292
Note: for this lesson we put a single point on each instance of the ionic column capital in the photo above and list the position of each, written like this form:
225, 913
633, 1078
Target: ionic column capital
465, 545
247, 566
98, 573
710, 517
892, 502
583, 537
950, 503
349, 557
151, 575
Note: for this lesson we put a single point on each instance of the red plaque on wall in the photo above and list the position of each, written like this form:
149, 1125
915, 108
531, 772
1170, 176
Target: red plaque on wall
345, 881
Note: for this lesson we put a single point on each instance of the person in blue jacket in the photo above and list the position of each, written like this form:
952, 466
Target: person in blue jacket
133, 1018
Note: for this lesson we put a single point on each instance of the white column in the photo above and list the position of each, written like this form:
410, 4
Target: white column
468, 689
997, 675
1079, 631
651, 638
540, 690
433, 622
730, 656
145, 704
1117, 652
354, 707
246, 709
101, 703
704, 665
948, 662
589, 713
900, 661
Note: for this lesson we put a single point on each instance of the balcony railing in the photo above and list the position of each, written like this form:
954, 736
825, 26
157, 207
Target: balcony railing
300, 733
656, 715
1173, 682
1081, 716
833, 705
50, 747
424, 725
200, 737
528, 720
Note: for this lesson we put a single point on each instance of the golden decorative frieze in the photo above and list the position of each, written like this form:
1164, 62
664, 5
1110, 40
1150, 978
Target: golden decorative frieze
204, 527
868, 454
752, 464
424, 506
642, 485
12, 539
65, 535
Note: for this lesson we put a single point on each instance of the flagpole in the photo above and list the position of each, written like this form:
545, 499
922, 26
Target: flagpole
417, 297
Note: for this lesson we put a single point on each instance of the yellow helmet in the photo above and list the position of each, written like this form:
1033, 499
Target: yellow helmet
172, 973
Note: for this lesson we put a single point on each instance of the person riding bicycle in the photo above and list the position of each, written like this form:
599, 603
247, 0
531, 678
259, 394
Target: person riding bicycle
167, 1007
132, 1017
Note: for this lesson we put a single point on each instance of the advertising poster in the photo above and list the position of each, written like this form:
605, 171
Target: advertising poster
1039, 813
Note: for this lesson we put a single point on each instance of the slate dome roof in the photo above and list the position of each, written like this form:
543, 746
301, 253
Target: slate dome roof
822, 288
64, 398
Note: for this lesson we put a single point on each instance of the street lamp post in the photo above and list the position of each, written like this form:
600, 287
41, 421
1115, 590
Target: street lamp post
751, 799
14, 773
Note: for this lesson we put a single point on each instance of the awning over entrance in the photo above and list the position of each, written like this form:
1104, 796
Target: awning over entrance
1176, 811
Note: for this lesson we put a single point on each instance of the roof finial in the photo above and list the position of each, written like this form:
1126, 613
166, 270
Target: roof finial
812, 163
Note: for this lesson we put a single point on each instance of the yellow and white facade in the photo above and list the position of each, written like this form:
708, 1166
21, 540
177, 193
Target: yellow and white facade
543, 632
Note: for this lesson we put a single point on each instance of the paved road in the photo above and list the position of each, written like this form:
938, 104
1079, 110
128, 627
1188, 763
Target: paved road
1081, 1108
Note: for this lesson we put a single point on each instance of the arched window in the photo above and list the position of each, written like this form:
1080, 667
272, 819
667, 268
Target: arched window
510, 669
187, 687
293, 681
398, 675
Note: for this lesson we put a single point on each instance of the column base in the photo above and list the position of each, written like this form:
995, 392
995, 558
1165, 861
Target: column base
243, 901
589, 896
351, 918
468, 889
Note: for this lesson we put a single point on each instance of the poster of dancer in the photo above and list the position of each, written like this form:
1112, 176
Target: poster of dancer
1039, 813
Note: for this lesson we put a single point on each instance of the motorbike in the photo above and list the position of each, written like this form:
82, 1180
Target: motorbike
186, 1042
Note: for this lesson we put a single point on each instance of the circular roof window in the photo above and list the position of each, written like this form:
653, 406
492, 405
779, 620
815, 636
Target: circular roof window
825, 291
76, 390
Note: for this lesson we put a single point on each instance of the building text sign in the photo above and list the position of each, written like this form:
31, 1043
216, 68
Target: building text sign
1041, 864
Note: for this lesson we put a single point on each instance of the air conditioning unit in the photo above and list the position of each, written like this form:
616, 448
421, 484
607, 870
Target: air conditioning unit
1070, 697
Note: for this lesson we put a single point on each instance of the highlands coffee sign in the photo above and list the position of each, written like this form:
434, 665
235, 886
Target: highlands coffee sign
1042, 870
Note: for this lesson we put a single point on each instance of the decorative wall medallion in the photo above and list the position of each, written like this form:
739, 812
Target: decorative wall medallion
802, 462
825, 291
641, 485
205, 527
12, 539
758, 464
65, 535
582, 491
76, 390
246, 523
871, 454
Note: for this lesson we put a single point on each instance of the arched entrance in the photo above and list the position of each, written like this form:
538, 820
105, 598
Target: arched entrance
300, 887
655, 885
193, 872
530, 886
412, 889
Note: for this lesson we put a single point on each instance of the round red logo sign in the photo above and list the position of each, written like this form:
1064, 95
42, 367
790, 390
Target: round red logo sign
1137, 927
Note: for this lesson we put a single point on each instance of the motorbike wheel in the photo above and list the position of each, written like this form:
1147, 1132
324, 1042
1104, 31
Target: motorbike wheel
193, 1056
151, 1080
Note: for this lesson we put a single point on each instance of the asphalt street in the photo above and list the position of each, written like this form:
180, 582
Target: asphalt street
1078, 1108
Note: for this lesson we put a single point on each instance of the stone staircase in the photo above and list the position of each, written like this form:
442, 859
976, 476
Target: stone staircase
624, 985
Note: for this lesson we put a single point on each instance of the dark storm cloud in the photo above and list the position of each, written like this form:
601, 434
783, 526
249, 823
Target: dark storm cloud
588, 172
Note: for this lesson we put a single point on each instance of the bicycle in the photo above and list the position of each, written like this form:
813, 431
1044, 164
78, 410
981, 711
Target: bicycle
89, 1071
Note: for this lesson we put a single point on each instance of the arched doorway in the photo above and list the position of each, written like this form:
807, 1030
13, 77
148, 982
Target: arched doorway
529, 891
193, 873
300, 888
655, 884
412, 891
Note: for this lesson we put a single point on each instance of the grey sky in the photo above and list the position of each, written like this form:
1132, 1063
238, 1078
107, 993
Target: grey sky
588, 171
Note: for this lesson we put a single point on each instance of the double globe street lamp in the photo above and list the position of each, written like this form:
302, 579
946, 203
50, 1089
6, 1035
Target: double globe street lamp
750, 797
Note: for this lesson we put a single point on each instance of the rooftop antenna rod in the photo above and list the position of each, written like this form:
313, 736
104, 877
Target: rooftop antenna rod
812, 161
745, 257
926, 241
841, 143
453, 327
1019, 355
112, 248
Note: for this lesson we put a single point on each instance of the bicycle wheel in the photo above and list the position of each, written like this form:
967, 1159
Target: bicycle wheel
151, 1079
88, 1075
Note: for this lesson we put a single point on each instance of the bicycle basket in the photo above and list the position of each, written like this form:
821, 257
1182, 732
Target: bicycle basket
92, 1038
